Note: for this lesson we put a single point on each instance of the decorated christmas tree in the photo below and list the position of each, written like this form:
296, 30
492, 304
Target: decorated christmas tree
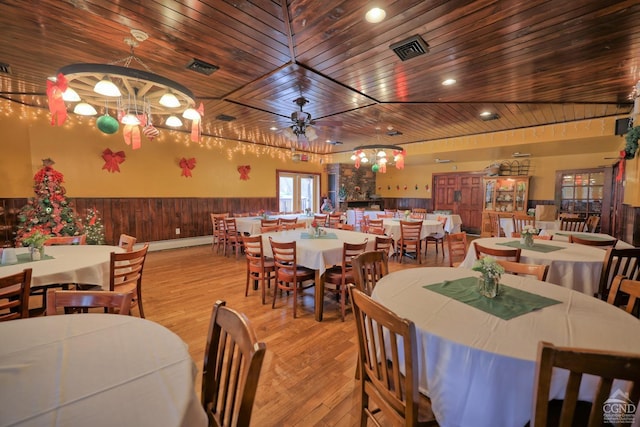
93, 227
49, 212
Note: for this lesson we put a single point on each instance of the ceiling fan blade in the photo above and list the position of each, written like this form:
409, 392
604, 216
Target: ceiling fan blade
327, 123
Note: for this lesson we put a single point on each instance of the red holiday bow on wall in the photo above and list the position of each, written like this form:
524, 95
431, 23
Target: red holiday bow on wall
244, 172
56, 103
621, 166
112, 160
187, 166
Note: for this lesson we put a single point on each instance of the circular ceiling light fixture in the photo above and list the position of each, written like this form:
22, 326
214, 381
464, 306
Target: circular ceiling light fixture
375, 15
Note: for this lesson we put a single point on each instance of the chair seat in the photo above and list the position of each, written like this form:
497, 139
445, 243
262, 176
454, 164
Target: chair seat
269, 264
333, 275
301, 274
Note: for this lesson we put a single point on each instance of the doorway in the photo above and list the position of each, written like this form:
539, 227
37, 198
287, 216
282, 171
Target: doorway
298, 192
460, 193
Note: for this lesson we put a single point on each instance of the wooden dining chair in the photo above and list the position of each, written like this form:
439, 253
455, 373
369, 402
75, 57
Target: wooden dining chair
66, 240
572, 224
269, 222
334, 220
521, 221
233, 359
385, 216
611, 243
295, 226
321, 219
437, 237
592, 223
358, 214
81, 301
290, 277
259, 268
624, 262
388, 382
219, 235
539, 271
631, 290
419, 213
508, 254
126, 242
495, 228
270, 229
392, 212
337, 278
385, 244
607, 365
369, 268
347, 227
457, 246
14, 295
410, 239
233, 237
125, 274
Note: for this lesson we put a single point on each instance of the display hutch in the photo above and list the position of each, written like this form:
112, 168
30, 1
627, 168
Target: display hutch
503, 195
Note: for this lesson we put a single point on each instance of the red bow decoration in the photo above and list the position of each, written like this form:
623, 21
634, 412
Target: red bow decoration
357, 161
56, 103
187, 166
244, 172
621, 166
196, 125
399, 156
112, 160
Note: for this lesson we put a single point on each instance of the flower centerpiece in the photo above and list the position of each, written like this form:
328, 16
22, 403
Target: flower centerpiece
316, 228
35, 241
526, 235
406, 214
491, 273
262, 214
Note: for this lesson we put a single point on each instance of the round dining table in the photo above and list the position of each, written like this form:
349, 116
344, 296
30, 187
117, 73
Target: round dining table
572, 265
86, 264
95, 370
479, 369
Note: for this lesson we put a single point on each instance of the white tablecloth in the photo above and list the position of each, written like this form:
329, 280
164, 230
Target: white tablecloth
563, 236
392, 228
251, 225
317, 254
454, 222
95, 370
478, 369
576, 267
351, 215
507, 225
86, 264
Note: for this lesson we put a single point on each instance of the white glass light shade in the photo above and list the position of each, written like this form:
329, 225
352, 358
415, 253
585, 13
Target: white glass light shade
362, 155
84, 109
169, 100
382, 160
375, 15
364, 160
311, 134
382, 153
353, 157
130, 119
191, 114
173, 121
288, 132
107, 88
70, 95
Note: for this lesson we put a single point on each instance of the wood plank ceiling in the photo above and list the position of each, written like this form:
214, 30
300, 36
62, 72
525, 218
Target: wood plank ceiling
531, 63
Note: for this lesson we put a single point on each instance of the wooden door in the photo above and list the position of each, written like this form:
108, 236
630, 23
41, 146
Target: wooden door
460, 193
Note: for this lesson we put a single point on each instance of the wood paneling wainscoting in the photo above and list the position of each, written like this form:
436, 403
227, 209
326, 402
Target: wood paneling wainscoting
404, 203
630, 225
148, 219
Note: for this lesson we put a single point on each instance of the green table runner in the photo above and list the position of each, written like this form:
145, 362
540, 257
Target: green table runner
538, 247
586, 236
23, 258
304, 235
509, 303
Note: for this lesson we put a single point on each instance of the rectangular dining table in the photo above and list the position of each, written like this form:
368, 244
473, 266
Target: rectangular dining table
429, 226
478, 368
318, 253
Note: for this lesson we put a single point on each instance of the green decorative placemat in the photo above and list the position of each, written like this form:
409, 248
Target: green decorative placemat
538, 247
24, 258
304, 235
585, 236
509, 303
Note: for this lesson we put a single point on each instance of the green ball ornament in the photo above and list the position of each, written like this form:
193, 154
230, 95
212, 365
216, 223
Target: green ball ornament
107, 124
375, 168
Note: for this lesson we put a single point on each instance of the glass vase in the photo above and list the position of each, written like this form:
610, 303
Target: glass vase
528, 240
36, 254
488, 286
316, 232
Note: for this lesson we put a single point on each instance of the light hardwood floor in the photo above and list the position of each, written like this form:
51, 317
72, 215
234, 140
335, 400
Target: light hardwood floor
308, 374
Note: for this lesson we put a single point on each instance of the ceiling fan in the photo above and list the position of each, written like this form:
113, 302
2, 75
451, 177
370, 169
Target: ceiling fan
302, 124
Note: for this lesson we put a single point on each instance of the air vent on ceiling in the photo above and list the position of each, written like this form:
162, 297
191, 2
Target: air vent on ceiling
443, 160
394, 133
334, 142
202, 67
410, 48
488, 117
225, 118
5, 68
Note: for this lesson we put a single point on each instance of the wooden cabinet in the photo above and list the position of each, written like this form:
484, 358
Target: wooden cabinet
503, 195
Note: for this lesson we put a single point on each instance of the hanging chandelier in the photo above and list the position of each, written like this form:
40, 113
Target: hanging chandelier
376, 155
135, 97
301, 123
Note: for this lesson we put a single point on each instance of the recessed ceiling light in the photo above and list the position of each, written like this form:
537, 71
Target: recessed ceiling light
518, 154
443, 160
486, 116
449, 82
273, 128
485, 113
375, 15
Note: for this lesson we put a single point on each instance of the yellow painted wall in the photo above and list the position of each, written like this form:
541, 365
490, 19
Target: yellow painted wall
151, 171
